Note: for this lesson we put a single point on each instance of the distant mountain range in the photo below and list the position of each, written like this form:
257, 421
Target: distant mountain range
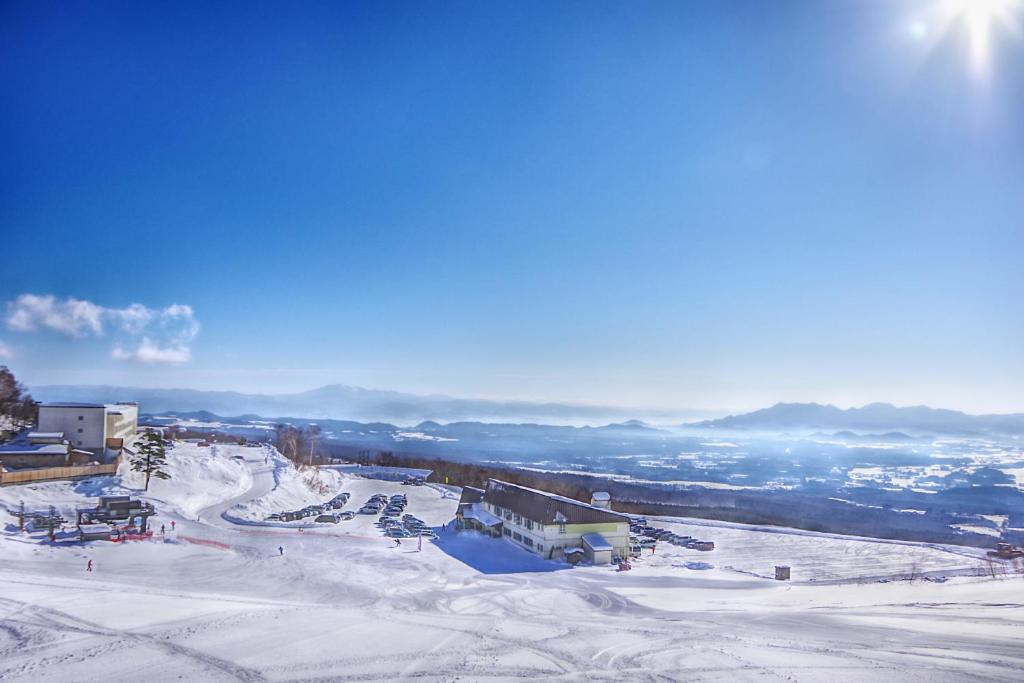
874, 417
344, 402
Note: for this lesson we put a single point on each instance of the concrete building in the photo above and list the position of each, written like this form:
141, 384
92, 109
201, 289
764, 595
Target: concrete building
91, 426
36, 450
546, 524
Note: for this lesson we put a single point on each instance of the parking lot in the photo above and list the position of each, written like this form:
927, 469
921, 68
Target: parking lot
645, 536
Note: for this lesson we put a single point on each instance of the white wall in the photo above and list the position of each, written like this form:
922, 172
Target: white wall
82, 427
122, 426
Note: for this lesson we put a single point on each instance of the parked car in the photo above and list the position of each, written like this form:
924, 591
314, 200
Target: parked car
347, 515
328, 518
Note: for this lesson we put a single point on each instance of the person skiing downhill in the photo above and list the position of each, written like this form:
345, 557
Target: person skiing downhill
88, 566
398, 542
280, 549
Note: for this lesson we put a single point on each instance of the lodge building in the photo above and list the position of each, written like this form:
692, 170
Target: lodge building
552, 526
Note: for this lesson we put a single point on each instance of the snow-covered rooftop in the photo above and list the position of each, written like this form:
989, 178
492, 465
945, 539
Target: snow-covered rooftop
476, 511
597, 542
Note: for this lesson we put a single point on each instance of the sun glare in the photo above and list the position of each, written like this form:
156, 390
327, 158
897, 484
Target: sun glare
980, 19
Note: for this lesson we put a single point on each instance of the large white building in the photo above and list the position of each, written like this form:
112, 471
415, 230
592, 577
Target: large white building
549, 525
91, 426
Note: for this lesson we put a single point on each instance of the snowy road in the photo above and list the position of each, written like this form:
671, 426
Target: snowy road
346, 604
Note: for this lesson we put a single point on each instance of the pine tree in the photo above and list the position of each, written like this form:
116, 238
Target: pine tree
151, 456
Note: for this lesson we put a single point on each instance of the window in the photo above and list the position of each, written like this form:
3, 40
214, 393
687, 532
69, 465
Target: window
79, 443
508, 532
518, 519
79, 430
497, 510
81, 417
540, 547
528, 541
529, 524
517, 536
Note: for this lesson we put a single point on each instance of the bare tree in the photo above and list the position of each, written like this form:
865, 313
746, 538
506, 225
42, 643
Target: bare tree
15, 400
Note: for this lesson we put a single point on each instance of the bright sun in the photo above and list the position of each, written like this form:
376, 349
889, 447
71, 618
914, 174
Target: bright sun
976, 21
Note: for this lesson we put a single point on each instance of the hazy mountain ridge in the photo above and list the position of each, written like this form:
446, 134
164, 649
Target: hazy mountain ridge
874, 417
339, 401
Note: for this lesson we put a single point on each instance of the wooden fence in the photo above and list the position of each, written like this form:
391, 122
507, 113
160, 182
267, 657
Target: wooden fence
50, 473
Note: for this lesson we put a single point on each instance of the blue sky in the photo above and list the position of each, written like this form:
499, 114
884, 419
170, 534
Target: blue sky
682, 204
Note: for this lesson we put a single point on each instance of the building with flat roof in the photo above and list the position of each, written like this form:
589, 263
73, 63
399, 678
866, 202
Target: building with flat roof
546, 524
91, 426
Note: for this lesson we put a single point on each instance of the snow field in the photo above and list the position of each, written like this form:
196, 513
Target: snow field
344, 603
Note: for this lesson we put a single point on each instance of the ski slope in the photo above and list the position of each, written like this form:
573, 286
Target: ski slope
218, 602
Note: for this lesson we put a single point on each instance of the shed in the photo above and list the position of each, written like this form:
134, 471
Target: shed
781, 573
597, 549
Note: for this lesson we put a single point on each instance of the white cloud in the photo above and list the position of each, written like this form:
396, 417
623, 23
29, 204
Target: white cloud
149, 352
6, 353
166, 333
73, 317
133, 319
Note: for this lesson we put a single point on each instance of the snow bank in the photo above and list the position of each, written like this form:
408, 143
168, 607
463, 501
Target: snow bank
200, 477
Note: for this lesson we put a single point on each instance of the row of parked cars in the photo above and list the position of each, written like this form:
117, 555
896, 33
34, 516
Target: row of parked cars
405, 526
374, 505
324, 512
645, 536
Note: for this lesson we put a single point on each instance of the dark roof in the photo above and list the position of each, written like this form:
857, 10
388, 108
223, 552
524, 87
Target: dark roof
71, 404
547, 508
471, 495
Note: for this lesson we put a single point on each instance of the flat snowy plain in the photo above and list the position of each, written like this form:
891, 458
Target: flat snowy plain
216, 601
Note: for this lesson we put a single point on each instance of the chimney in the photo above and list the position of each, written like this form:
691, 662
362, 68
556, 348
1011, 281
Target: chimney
601, 499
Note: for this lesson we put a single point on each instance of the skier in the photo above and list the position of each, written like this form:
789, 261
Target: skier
398, 542
162, 529
280, 549
172, 525
88, 566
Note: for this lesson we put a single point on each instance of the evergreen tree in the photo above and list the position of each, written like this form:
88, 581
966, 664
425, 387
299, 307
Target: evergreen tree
151, 456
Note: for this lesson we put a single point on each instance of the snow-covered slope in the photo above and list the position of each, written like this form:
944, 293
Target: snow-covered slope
221, 602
